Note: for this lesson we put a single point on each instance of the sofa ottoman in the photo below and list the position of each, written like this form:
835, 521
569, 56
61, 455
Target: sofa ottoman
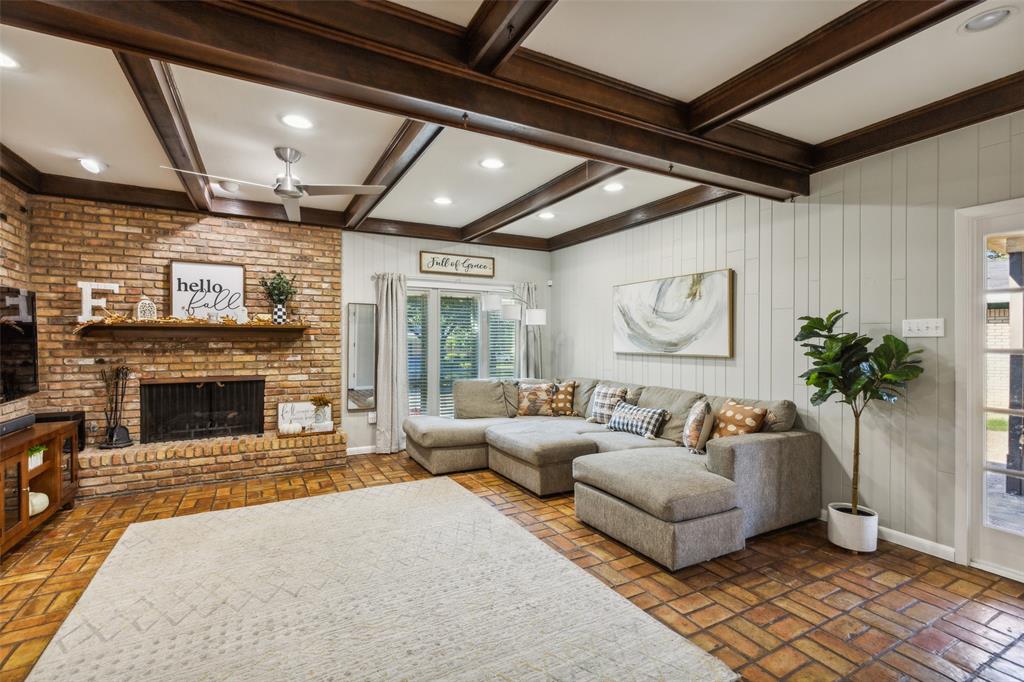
663, 502
443, 446
539, 458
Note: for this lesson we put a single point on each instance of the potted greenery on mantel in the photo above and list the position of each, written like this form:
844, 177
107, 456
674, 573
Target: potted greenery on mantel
842, 365
279, 289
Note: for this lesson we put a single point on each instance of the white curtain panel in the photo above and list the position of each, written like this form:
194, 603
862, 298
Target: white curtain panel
530, 352
392, 370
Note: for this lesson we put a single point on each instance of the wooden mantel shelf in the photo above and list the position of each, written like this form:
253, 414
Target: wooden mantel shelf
190, 330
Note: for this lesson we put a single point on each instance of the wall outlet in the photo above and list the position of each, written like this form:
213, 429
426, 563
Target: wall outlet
924, 327
371, 417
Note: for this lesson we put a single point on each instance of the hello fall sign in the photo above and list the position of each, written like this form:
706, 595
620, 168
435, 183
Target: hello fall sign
199, 289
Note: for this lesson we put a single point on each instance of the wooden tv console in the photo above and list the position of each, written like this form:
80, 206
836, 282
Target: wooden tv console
57, 476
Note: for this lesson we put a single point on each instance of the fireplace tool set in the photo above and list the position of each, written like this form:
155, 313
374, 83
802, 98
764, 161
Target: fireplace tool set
116, 381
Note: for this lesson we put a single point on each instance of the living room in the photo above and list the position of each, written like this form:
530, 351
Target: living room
453, 339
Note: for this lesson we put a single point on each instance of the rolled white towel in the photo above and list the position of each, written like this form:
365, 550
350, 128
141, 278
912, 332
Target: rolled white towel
37, 502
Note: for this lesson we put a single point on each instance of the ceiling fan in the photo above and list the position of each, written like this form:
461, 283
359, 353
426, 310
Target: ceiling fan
289, 187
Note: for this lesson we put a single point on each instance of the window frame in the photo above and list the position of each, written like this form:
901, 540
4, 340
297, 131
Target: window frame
434, 291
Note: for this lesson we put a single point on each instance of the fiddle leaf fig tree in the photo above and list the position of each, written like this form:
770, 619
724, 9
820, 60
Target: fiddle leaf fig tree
843, 365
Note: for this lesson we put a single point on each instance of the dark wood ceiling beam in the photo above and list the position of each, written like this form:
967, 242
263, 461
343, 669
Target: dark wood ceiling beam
997, 98
866, 29
263, 44
411, 140
687, 200
543, 73
18, 171
498, 28
154, 87
587, 174
401, 228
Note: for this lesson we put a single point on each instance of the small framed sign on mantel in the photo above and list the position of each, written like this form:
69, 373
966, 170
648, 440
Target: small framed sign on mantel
454, 264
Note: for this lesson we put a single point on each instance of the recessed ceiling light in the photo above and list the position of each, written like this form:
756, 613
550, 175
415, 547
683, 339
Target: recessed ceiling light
296, 121
442, 201
92, 165
613, 187
986, 20
228, 186
545, 215
492, 163
7, 62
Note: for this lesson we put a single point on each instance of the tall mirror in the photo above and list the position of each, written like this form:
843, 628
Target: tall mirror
362, 356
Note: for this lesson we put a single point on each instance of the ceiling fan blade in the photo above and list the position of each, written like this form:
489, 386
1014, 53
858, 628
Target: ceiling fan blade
291, 208
219, 177
324, 190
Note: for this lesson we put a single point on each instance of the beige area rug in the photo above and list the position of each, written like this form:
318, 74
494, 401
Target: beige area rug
410, 581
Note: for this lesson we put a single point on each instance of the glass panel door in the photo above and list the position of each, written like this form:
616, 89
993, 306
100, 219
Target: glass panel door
15, 498
459, 345
1001, 481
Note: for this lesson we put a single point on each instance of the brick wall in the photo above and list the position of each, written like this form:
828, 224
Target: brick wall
76, 240
14, 262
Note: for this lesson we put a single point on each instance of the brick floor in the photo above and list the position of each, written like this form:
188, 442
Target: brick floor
789, 606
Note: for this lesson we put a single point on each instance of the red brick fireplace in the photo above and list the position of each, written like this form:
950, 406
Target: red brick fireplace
54, 243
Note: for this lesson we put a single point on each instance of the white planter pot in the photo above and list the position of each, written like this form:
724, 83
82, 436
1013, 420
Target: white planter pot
858, 533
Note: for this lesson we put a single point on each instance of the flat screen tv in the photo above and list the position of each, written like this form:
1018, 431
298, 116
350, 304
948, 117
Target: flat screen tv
19, 363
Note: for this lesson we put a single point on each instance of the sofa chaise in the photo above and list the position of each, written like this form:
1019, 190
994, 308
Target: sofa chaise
676, 506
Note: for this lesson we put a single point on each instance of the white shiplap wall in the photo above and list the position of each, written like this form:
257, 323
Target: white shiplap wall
874, 238
362, 255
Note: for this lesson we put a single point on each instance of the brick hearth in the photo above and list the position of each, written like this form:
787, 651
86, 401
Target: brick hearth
155, 466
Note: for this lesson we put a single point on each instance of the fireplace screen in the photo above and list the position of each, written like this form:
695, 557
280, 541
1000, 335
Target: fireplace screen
201, 408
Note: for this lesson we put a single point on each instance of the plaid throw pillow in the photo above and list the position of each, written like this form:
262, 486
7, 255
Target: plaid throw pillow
643, 421
561, 402
603, 402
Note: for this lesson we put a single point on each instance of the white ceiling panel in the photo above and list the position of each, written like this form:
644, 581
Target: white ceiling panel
456, 11
929, 66
237, 124
450, 167
69, 100
680, 49
638, 188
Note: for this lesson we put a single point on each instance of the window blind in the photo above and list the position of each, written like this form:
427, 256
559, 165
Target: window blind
417, 346
459, 346
501, 346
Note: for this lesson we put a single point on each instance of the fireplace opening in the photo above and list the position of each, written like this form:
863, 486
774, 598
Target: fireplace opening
204, 407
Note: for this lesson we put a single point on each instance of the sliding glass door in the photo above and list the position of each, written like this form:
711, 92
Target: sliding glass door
450, 337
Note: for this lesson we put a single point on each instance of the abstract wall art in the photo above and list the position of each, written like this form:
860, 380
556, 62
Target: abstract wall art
686, 315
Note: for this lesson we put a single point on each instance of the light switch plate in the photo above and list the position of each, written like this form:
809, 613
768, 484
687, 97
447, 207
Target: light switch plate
371, 417
924, 327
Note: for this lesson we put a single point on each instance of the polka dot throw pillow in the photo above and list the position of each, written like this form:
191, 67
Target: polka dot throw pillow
735, 419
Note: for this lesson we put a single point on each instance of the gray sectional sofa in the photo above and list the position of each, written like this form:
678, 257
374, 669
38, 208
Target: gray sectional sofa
676, 506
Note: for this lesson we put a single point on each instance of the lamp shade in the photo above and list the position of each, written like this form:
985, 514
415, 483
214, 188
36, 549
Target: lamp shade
491, 301
511, 311
536, 316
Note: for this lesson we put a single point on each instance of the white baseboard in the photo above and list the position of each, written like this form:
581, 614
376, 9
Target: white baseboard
362, 450
912, 541
1010, 573
916, 543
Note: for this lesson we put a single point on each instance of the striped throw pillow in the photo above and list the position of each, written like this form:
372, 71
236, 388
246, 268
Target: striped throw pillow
643, 421
603, 402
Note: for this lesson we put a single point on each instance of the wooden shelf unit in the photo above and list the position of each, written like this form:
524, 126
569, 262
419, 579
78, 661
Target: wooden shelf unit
191, 330
57, 476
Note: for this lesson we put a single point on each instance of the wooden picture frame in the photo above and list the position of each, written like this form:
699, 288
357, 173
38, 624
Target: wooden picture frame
199, 302
637, 331
436, 263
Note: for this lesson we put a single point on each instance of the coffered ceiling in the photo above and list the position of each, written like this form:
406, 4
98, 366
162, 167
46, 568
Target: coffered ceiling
679, 102
652, 44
